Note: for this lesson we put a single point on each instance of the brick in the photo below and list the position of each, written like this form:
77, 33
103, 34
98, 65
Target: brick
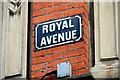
86, 1
74, 53
85, 26
32, 33
32, 40
86, 68
70, 6
73, 73
79, 45
58, 56
85, 6
35, 2
42, 5
41, 59
57, 8
58, 15
36, 54
80, 59
71, 60
36, 67
33, 47
85, 14
85, 19
87, 48
36, 79
86, 40
58, 49
57, 3
69, 0
44, 66
42, 19
73, 12
86, 54
80, 72
87, 61
39, 1
54, 77
78, 4
78, 66
54, 63
44, 52
71, 46
36, 74
37, 13
44, 11
33, 27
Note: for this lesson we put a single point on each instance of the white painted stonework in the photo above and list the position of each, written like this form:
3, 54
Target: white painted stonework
106, 40
13, 38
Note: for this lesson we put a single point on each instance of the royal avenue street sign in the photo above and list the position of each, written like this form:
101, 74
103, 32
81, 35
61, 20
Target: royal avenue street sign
58, 32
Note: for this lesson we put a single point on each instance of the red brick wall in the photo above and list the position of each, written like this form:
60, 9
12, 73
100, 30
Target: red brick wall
77, 54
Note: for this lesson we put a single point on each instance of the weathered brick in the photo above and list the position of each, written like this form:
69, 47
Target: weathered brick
85, 26
86, 54
32, 40
73, 12
73, 73
80, 59
54, 63
70, 6
86, 68
36, 54
85, 6
37, 13
69, 0
87, 48
71, 60
58, 49
80, 72
78, 4
86, 1
42, 19
36, 67
58, 56
44, 66
78, 66
32, 33
36, 74
73, 53
58, 15
41, 59
44, 11
79, 45
57, 3
42, 5
85, 19
33, 27
57, 8
33, 47
86, 40
71, 46
44, 52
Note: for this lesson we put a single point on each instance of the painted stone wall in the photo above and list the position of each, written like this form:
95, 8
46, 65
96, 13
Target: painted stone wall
46, 60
